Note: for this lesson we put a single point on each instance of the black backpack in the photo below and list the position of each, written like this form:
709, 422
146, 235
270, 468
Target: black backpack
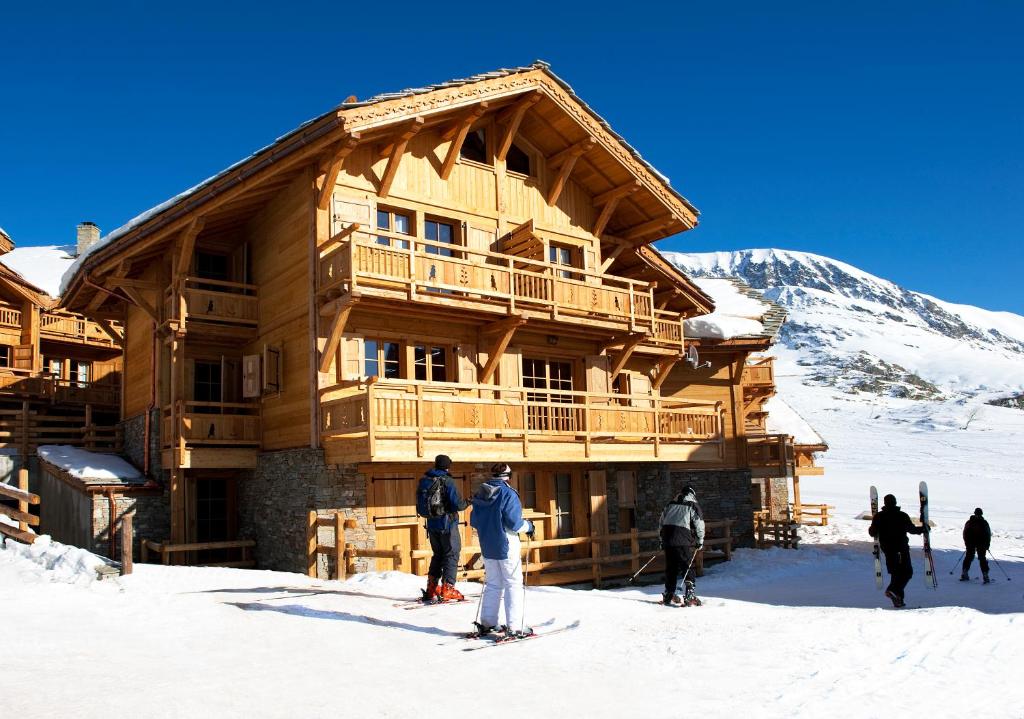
430, 499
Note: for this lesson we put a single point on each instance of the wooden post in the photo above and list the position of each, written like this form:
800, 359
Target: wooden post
23, 486
728, 544
350, 564
145, 551
127, 542
87, 431
339, 546
311, 541
397, 549
634, 549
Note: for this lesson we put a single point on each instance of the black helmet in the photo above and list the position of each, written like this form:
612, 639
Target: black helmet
442, 461
977, 511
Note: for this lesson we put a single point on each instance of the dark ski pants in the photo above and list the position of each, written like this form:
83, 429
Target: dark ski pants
677, 559
982, 558
446, 546
897, 563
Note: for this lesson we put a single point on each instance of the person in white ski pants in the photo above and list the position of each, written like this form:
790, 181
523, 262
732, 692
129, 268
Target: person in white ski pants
498, 519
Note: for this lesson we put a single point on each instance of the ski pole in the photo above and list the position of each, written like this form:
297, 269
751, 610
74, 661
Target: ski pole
993, 557
958, 561
526, 578
639, 571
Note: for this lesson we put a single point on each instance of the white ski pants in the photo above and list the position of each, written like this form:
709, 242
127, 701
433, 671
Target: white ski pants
504, 580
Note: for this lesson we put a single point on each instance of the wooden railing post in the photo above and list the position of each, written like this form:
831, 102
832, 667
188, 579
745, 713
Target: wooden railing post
311, 542
350, 560
419, 420
397, 549
339, 547
23, 486
634, 549
127, 542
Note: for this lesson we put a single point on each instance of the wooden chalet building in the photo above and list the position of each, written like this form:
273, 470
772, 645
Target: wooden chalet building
466, 268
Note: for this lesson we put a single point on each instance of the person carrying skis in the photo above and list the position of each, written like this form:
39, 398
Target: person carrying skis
977, 538
891, 526
438, 500
497, 517
682, 534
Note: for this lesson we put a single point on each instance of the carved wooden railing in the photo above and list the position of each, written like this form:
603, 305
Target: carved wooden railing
225, 424
405, 409
66, 326
216, 302
432, 270
10, 317
760, 373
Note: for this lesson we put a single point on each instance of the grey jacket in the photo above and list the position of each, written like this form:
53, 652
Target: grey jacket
682, 523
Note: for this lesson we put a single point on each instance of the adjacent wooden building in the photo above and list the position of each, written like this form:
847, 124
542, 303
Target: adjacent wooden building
467, 269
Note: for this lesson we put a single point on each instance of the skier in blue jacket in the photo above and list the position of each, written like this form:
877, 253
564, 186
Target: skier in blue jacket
442, 531
497, 517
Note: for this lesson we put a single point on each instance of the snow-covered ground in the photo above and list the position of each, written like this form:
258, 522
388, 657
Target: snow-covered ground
782, 633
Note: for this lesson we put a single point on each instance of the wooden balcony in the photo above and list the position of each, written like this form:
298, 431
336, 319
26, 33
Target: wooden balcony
228, 308
212, 434
71, 328
760, 373
10, 318
426, 272
26, 385
770, 455
403, 420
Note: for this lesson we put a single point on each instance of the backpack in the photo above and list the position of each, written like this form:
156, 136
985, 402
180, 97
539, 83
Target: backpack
430, 499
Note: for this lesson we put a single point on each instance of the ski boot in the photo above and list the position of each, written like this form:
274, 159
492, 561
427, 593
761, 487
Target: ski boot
691, 599
430, 593
964, 577
448, 593
521, 634
984, 578
484, 630
671, 600
896, 601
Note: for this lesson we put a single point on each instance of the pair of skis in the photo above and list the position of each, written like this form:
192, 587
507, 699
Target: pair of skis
489, 641
930, 579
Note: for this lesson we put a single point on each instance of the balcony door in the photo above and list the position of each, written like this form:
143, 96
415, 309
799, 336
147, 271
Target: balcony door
549, 380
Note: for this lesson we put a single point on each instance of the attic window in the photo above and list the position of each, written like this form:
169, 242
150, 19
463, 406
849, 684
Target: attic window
475, 146
518, 160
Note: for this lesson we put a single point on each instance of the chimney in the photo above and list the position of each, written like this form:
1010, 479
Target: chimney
88, 233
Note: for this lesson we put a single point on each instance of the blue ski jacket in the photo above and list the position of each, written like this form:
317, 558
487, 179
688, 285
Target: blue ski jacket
497, 513
453, 502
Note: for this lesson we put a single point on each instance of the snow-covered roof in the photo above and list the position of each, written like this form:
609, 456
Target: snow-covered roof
737, 313
90, 467
41, 266
382, 97
783, 419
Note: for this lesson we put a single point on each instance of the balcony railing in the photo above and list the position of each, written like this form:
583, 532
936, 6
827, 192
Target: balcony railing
771, 455
431, 270
216, 302
57, 325
10, 317
589, 423
24, 383
760, 373
225, 424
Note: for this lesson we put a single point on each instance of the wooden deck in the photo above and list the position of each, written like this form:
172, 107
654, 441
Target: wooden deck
397, 420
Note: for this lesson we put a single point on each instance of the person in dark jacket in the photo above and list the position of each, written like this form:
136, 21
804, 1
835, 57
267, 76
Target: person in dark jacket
682, 534
891, 526
977, 538
443, 533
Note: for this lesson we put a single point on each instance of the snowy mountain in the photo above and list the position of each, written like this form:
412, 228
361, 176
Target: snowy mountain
860, 333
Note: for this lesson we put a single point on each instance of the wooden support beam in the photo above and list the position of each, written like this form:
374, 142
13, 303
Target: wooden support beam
457, 134
394, 153
663, 368
574, 150
504, 329
645, 228
631, 343
501, 326
101, 295
334, 335
188, 244
511, 119
108, 329
337, 159
609, 201
614, 255
141, 303
135, 284
564, 162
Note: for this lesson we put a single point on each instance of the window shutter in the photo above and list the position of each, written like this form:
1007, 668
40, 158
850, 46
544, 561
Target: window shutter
347, 211
640, 384
23, 357
272, 370
467, 364
250, 376
510, 368
351, 357
597, 373
478, 238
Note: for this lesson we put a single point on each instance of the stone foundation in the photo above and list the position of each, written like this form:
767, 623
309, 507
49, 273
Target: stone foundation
134, 432
275, 500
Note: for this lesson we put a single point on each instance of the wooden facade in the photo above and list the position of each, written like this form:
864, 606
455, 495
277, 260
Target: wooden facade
467, 269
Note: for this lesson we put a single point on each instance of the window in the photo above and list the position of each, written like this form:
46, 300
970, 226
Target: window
431, 363
395, 222
475, 146
561, 256
6, 356
206, 384
528, 489
55, 367
541, 374
383, 359
440, 232
82, 373
211, 266
212, 510
518, 160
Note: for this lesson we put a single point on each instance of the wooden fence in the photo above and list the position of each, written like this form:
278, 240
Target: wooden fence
601, 563
813, 515
21, 514
775, 532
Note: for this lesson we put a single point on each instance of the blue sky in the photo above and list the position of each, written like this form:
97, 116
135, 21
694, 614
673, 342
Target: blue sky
887, 135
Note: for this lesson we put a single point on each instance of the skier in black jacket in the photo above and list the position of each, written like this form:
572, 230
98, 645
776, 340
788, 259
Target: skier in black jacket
977, 538
891, 526
682, 534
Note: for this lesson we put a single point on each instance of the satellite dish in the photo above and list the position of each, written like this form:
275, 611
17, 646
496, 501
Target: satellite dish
693, 359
